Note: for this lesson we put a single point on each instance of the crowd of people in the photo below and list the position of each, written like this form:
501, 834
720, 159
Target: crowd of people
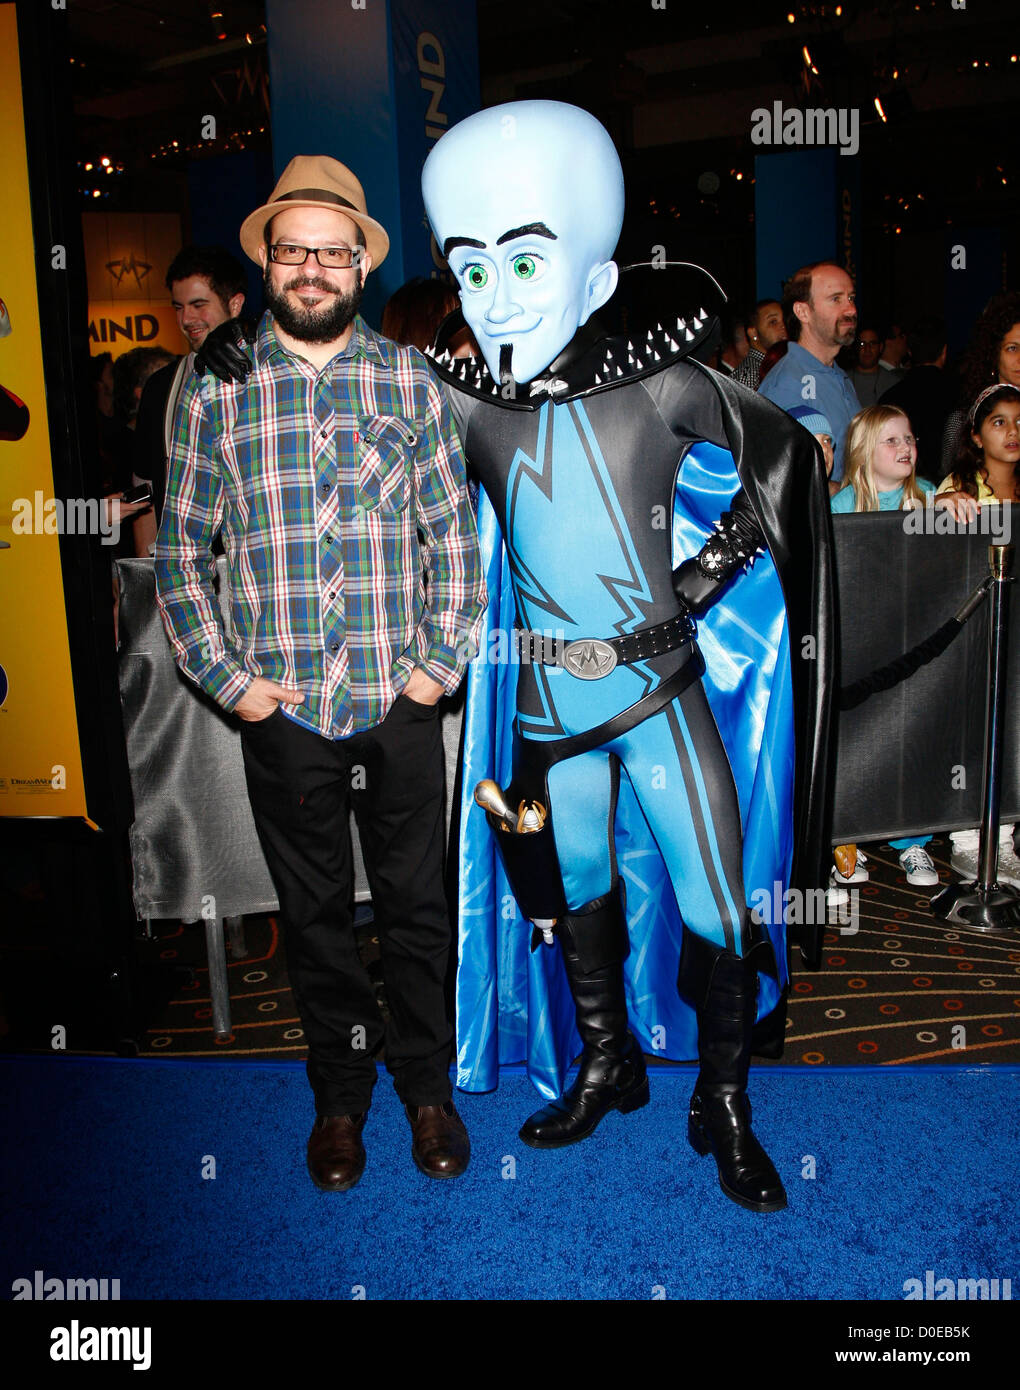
880, 402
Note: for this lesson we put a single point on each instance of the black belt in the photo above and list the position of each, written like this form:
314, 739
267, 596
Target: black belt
591, 658
539, 755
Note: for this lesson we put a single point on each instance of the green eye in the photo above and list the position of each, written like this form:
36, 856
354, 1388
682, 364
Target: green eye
476, 276
524, 267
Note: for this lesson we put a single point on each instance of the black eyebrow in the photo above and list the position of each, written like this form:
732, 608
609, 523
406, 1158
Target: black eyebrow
453, 241
532, 229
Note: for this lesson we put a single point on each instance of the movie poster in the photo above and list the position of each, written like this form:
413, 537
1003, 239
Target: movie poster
40, 760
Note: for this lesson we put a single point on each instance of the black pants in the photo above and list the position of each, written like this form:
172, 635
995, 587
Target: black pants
302, 787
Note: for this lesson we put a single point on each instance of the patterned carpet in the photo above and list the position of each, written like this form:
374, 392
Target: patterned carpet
904, 987
895, 986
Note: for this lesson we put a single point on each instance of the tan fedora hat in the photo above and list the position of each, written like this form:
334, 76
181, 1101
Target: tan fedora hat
316, 181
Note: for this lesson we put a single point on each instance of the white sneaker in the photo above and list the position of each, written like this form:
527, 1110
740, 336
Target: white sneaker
920, 871
1009, 863
965, 858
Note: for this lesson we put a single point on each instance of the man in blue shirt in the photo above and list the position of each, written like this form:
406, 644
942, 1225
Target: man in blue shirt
819, 306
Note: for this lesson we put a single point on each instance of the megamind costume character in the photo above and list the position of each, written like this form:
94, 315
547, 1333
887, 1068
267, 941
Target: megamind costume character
581, 442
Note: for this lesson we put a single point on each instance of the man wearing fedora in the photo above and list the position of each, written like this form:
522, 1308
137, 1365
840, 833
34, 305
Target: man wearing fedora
357, 592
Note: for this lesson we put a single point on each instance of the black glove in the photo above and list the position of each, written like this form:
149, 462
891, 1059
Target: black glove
224, 352
736, 539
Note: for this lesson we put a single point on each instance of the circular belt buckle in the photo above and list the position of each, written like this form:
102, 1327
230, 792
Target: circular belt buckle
589, 659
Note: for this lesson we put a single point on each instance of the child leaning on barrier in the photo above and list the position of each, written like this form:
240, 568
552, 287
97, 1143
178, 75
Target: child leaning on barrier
987, 464
986, 472
881, 476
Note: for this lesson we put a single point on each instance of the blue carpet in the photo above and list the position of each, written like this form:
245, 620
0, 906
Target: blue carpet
102, 1176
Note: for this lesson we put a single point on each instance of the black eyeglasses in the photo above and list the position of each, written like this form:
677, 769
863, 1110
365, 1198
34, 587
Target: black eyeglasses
329, 257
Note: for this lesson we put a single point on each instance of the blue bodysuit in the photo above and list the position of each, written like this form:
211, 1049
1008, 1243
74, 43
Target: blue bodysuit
629, 480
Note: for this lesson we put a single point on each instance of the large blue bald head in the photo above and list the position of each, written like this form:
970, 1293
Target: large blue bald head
526, 202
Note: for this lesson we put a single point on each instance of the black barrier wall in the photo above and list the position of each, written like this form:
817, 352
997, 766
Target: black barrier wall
193, 842
910, 760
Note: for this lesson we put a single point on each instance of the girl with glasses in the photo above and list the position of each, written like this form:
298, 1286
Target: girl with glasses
881, 476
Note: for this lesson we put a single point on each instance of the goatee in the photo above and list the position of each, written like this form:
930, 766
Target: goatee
322, 324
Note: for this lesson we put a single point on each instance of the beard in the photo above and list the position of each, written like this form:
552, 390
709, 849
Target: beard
844, 334
323, 324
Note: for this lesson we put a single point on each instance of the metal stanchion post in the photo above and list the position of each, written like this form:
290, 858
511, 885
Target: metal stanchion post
219, 989
986, 905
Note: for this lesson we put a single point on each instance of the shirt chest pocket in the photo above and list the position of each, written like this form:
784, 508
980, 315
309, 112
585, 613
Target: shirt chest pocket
385, 462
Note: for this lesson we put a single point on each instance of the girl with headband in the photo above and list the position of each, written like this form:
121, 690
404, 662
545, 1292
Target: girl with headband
986, 471
987, 465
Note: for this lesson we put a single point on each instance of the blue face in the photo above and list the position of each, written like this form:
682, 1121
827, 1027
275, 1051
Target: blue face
524, 220
522, 288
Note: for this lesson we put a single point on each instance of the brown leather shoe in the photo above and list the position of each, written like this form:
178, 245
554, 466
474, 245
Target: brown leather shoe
336, 1155
440, 1145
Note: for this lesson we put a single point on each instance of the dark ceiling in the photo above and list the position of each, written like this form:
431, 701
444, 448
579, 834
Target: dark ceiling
144, 72
674, 84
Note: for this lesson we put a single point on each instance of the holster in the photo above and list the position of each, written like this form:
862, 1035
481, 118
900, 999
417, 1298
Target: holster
529, 859
532, 869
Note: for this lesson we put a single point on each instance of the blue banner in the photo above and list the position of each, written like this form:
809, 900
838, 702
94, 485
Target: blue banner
374, 84
807, 207
221, 193
435, 73
795, 200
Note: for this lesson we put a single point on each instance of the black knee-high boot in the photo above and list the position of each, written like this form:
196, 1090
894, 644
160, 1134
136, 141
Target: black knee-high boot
612, 1071
724, 990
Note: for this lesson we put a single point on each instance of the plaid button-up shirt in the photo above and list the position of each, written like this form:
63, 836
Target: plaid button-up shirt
349, 537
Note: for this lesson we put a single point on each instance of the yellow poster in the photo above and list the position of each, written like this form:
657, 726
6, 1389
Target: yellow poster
40, 761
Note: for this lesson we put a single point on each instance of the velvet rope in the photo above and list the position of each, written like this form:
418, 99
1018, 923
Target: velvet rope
900, 669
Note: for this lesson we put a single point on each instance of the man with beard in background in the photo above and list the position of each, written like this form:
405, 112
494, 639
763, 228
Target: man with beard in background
356, 590
820, 311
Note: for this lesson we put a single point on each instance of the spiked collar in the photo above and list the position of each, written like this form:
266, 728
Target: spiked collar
596, 358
